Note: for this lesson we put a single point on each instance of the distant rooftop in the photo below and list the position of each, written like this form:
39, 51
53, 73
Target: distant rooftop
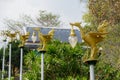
60, 34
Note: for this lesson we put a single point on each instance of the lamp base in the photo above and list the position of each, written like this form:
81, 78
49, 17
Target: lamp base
91, 61
41, 51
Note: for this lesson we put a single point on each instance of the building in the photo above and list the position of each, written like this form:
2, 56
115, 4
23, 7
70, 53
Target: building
60, 34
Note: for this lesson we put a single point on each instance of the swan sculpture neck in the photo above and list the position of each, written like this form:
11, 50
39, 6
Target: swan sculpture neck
93, 38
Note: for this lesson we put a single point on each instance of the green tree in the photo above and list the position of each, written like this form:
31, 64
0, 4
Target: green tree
104, 10
15, 57
44, 19
100, 10
32, 63
61, 63
48, 19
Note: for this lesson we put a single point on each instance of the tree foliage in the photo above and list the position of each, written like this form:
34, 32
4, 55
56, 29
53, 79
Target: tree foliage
48, 19
15, 57
100, 10
61, 63
32, 63
105, 10
44, 19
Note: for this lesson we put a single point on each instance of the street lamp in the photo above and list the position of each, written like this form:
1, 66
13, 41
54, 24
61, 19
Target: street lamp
23, 38
92, 39
34, 37
3, 62
73, 38
44, 38
11, 36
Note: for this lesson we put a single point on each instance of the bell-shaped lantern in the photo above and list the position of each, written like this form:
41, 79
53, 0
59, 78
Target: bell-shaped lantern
73, 38
34, 37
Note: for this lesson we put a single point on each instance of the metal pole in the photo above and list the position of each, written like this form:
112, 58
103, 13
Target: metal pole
3, 62
92, 76
21, 62
9, 73
42, 66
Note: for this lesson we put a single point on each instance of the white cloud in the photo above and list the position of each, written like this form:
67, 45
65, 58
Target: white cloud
69, 11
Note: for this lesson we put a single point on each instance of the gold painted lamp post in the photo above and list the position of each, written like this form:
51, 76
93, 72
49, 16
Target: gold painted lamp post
44, 39
92, 39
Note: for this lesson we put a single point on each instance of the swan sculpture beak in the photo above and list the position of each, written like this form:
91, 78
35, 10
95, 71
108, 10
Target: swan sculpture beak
75, 24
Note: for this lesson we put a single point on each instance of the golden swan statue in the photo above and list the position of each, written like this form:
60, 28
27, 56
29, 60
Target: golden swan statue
93, 38
44, 38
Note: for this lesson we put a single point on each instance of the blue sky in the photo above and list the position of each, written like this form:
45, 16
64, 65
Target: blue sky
69, 10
